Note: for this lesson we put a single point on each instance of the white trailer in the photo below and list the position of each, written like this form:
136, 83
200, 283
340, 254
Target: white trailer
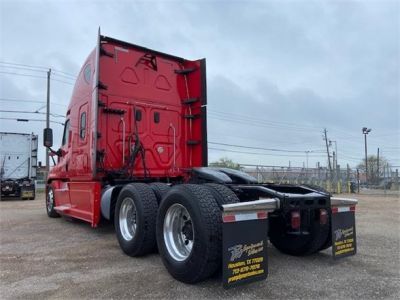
18, 163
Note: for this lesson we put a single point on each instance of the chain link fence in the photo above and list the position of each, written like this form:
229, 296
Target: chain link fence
336, 181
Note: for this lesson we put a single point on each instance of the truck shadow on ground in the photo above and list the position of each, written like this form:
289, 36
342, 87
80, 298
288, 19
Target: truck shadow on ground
105, 227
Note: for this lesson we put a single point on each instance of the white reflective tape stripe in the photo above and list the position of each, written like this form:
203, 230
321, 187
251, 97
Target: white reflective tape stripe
343, 208
246, 217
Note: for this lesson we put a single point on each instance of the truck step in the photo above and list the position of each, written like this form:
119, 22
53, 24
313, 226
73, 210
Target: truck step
105, 52
192, 142
62, 208
185, 71
191, 117
114, 111
102, 86
190, 100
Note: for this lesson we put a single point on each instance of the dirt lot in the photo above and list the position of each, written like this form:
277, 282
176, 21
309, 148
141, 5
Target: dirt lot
60, 258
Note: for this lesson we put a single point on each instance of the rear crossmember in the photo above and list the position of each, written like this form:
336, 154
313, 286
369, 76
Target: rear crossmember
245, 224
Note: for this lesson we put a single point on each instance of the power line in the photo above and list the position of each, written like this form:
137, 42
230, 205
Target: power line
257, 124
52, 79
63, 76
267, 154
251, 121
216, 133
252, 118
22, 68
31, 112
35, 76
66, 74
28, 101
28, 120
36, 67
268, 149
23, 65
20, 74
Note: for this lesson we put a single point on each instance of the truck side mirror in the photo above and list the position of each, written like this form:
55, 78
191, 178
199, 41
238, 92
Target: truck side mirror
48, 137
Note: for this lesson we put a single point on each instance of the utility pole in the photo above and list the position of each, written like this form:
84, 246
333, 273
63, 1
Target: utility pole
48, 118
327, 151
365, 131
335, 159
377, 165
307, 152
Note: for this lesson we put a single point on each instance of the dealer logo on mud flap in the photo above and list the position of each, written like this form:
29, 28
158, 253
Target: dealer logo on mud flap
343, 233
244, 254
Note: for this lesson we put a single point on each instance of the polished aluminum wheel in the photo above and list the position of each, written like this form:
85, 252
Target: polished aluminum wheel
178, 232
50, 200
128, 219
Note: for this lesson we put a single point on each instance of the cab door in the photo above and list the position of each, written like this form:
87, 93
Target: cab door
61, 190
79, 163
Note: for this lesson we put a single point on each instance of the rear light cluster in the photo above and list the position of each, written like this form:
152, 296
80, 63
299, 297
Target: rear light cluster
295, 219
323, 216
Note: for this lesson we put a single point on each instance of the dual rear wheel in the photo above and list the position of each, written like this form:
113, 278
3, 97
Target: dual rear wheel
185, 224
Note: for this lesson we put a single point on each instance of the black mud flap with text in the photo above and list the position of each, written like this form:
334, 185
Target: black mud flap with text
344, 241
245, 237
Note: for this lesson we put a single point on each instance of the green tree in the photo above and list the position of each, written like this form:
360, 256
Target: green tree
225, 163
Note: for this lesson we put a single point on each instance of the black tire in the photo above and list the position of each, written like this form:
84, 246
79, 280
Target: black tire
143, 240
328, 241
298, 245
222, 194
204, 259
327, 244
34, 196
160, 189
50, 203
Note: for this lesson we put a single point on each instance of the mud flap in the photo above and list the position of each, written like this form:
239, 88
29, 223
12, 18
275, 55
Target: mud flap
344, 241
244, 242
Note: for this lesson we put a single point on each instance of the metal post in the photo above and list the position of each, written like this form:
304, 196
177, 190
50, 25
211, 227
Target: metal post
327, 151
307, 163
48, 118
30, 156
365, 131
377, 167
334, 160
366, 159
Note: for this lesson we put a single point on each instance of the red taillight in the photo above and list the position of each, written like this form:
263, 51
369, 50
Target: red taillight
295, 220
323, 216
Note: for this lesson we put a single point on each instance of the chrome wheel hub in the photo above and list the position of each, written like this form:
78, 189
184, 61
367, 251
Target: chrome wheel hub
178, 232
128, 219
50, 200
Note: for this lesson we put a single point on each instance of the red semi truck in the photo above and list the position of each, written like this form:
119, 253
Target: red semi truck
134, 152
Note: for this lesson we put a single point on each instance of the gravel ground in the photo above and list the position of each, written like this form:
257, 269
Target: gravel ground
61, 258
